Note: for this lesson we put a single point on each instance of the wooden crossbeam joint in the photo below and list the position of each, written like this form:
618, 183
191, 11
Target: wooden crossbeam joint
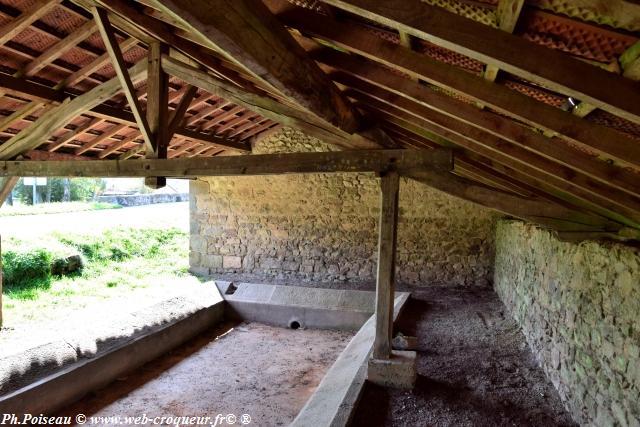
157, 109
109, 38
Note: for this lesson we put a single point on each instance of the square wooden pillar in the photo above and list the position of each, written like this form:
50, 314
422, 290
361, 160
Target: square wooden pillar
385, 284
388, 367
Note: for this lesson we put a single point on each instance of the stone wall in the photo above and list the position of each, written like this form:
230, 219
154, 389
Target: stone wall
144, 199
322, 228
579, 307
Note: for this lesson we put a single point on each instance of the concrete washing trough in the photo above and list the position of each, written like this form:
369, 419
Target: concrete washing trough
49, 377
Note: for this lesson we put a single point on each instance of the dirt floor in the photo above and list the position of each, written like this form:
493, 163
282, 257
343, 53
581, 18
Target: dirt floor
474, 368
248, 368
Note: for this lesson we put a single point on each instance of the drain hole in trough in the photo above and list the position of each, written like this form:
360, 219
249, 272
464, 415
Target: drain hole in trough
231, 289
294, 324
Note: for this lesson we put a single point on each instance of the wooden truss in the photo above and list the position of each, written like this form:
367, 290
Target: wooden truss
187, 80
164, 87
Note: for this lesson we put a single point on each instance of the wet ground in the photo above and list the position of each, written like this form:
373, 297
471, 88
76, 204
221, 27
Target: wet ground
474, 368
250, 369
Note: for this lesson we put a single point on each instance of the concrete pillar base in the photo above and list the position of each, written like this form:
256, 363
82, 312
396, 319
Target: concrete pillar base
398, 372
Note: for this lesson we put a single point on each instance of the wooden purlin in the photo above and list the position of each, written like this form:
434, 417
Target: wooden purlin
45, 94
370, 77
542, 65
531, 166
75, 76
606, 141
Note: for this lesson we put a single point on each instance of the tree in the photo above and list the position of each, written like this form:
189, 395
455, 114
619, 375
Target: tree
61, 190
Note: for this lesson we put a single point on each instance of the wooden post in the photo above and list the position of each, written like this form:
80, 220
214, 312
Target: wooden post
157, 110
389, 185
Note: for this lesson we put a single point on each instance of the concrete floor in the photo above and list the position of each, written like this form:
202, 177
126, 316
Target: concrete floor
249, 368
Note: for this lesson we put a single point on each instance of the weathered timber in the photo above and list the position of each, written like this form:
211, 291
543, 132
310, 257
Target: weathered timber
56, 118
550, 68
375, 79
268, 164
507, 14
178, 114
113, 48
26, 18
537, 167
157, 109
384, 100
34, 91
266, 107
538, 211
253, 37
604, 140
385, 279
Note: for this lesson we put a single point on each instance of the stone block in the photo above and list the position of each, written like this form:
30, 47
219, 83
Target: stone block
231, 262
403, 342
399, 371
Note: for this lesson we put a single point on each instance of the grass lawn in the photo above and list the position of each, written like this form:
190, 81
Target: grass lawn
53, 208
125, 264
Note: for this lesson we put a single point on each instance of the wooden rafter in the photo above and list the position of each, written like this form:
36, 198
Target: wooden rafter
109, 39
507, 14
623, 209
604, 140
164, 33
178, 114
539, 211
26, 18
272, 58
554, 149
58, 117
44, 94
113, 130
58, 49
253, 37
262, 105
73, 133
513, 54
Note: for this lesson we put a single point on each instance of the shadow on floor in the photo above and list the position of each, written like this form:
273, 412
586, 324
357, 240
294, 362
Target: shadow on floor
474, 368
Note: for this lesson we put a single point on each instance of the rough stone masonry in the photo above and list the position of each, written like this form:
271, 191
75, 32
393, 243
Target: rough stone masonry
322, 228
579, 308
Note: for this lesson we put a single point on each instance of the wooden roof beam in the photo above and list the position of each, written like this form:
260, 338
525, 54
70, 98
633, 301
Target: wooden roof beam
402, 161
608, 142
541, 212
507, 14
58, 49
44, 94
552, 69
249, 33
109, 39
56, 118
265, 106
26, 18
371, 78
593, 196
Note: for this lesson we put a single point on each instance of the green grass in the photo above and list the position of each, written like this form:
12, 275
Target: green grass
115, 263
53, 208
